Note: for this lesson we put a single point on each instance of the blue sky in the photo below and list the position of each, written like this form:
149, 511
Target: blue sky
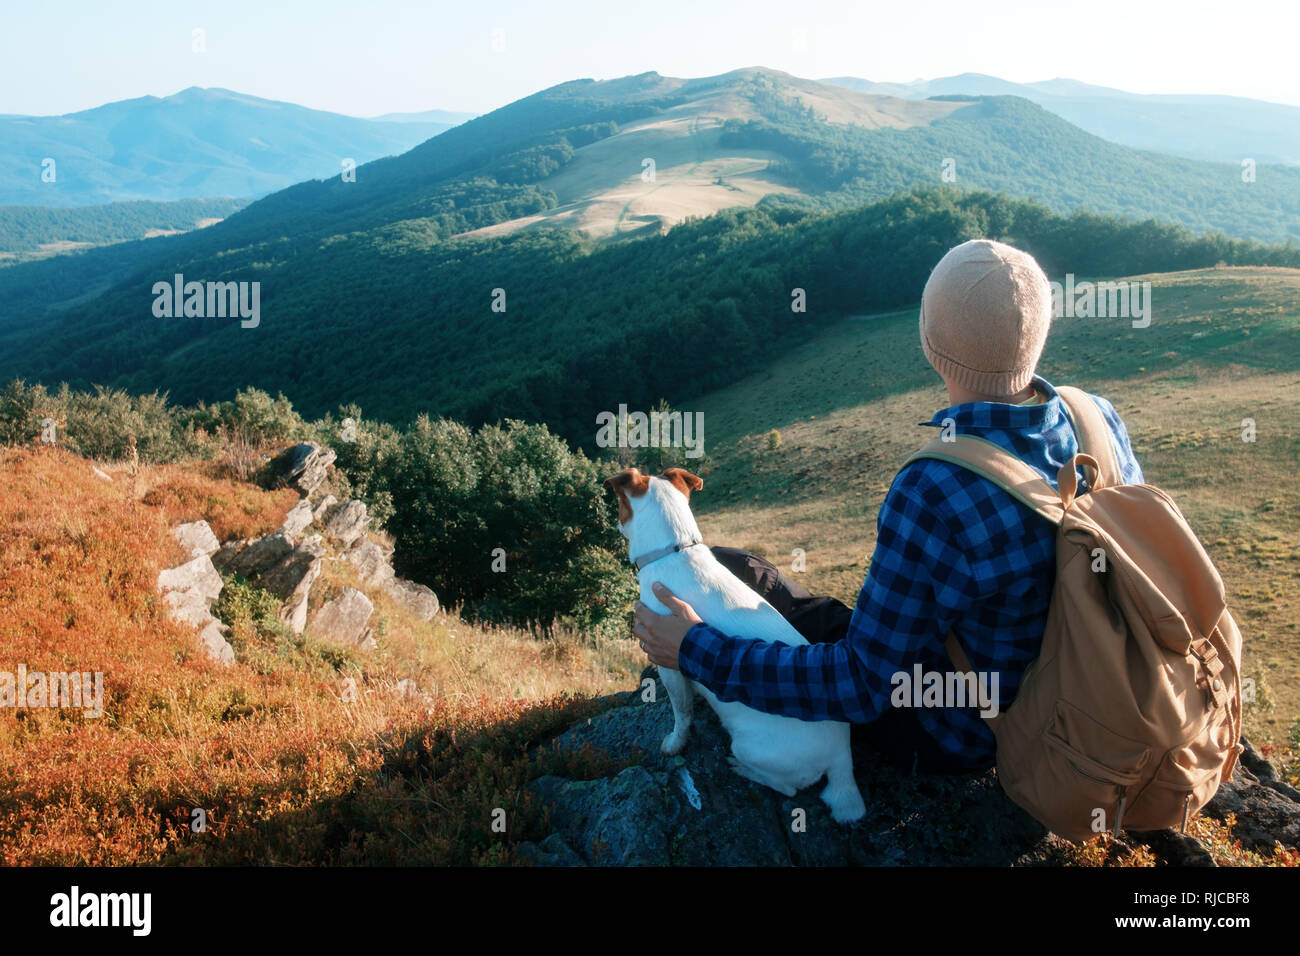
379, 56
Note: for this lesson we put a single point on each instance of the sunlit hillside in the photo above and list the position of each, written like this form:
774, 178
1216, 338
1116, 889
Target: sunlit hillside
292, 753
607, 189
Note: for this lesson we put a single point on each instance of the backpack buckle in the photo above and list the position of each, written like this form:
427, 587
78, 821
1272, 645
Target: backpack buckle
1205, 652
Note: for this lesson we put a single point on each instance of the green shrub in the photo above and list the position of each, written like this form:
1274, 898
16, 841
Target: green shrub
22, 407
101, 425
656, 459
506, 521
254, 416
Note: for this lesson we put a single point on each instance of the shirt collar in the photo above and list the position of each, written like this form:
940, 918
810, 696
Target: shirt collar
979, 415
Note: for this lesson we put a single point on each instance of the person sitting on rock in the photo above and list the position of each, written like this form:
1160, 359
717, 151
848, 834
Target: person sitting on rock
953, 550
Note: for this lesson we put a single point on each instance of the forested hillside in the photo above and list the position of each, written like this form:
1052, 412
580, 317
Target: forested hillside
27, 231
406, 325
1007, 144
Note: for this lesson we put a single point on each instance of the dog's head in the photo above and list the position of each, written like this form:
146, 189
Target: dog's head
631, 487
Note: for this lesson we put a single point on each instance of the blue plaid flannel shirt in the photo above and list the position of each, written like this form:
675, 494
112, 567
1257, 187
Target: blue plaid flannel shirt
953, 551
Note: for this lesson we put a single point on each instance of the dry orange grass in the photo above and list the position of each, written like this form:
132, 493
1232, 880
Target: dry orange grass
190, 492
286, 768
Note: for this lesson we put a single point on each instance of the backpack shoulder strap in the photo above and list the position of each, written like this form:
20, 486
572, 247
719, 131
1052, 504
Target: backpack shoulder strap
1092, 432
1000, 467
1010, 474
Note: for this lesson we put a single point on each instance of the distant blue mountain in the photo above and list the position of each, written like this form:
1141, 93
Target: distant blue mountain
196, 143
1220, 128
445, 117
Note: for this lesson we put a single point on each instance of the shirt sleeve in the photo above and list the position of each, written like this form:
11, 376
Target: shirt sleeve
918, 583
1129, 468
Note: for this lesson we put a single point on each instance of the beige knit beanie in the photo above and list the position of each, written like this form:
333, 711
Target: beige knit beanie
985, 313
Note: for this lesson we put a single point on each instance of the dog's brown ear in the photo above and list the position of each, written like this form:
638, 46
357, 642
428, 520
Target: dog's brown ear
629, 481
683, 481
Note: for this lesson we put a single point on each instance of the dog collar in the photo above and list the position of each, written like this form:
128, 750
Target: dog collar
653, 556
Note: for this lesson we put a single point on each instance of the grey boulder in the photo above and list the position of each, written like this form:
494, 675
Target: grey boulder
197, 576
297, 520
302, 466
323, 506
416, 598
196, 538
189, 591
343, 619
212, 639
257, 555
291, 580
348, 523
372, 563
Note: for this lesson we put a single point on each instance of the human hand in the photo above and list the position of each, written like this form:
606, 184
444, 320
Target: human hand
662, 634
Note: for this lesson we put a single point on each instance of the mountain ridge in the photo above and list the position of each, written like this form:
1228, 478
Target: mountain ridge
1198, 126
218, 142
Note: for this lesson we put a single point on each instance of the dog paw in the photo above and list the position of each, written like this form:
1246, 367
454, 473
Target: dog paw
849, 809
674, 743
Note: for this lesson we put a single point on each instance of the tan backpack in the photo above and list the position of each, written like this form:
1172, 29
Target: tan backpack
1131, 714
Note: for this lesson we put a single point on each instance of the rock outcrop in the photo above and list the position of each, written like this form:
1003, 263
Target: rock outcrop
291, 579
194, 582
348, 523
694, 810
302, 466
322, 506
190, 589
288, 561
297, 520
196, 538
250, 558
372, 563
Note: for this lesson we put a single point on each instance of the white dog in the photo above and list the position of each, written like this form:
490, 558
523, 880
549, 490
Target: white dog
664, 542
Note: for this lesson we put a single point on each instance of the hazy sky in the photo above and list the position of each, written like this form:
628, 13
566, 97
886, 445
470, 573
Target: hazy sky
380, 56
